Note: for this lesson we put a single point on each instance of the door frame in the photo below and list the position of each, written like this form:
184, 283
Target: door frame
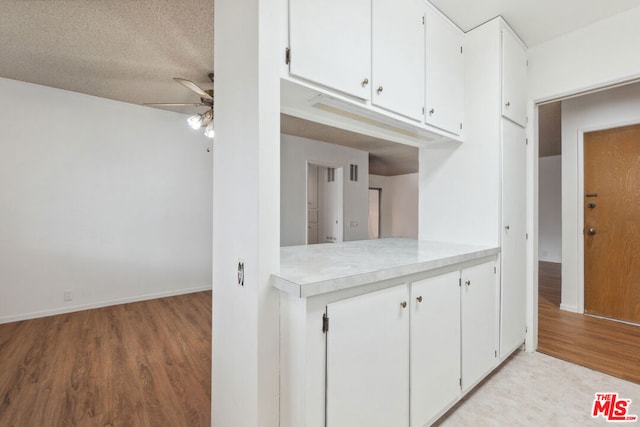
379, 190
306, 193
580, 204
531, 343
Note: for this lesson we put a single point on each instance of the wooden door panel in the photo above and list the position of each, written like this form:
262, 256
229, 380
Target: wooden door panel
612, 212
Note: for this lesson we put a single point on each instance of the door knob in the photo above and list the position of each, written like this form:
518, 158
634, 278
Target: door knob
403, 304
365, 82
467, 282
419, 298
506, 227
591, 205
379, 90
591, 231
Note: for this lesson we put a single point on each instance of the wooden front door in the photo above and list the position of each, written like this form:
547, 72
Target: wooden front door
612, 223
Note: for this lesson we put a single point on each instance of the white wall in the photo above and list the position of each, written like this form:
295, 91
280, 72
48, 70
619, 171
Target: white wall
399, 204
602, 110
108, 199
295, 152
550, 209
592, 57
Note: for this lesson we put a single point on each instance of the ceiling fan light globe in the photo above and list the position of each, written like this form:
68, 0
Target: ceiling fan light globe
209, 132
195, 121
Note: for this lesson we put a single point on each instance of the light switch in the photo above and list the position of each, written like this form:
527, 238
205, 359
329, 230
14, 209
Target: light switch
240, 272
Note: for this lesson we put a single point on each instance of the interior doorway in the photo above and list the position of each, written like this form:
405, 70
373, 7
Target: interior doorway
612, 223
375, 212
325, 205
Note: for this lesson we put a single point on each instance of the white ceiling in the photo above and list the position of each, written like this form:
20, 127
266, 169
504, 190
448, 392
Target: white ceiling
536, 21
129, 50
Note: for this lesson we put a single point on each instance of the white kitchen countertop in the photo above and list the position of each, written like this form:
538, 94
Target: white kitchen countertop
311, 270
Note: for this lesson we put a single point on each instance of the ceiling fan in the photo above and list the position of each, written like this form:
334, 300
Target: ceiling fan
206, 100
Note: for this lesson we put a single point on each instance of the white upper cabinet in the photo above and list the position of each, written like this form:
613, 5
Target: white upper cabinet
330, 42
444, 73
514, 78
398, 63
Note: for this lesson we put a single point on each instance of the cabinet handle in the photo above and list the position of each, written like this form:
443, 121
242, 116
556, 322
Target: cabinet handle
432, 111
419, 298
365, 82
506, 227
508, 104
467, 282
379, 90
403, 304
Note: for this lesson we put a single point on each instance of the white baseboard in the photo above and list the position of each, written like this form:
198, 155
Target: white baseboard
116, 301
567, 307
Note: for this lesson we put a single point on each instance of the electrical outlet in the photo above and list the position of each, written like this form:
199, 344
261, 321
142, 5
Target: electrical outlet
68, 295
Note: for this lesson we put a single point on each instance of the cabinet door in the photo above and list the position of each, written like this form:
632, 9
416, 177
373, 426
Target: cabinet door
397, 56
514, 79
444, 73
330, 43
368, 360
514, 243
435, 346
479, 323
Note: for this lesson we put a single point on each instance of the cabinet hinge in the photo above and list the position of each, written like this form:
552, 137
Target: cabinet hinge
495, 270
423, 111
460, 49
527, 62
460, 381
526, 236
495, 353
526, 329
526, 141
422, 19
460, 282
325, 323
460, 125
287, 56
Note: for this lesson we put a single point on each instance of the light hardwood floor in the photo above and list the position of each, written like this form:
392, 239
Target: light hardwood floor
140, 364
600, 344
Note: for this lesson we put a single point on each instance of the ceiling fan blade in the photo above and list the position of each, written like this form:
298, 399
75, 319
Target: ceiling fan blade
162, 104
193, 87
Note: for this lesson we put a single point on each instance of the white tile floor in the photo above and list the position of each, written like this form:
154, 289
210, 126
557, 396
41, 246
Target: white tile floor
533, 389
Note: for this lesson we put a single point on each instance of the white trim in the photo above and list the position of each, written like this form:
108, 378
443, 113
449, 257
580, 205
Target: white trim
116, 301
567, 307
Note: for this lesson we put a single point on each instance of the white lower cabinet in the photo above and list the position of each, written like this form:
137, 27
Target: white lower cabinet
404, 355
435, 346
479, 323
368, 360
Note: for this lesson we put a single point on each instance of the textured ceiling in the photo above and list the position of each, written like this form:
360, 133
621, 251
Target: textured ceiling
385, 158
536, 21
127, 50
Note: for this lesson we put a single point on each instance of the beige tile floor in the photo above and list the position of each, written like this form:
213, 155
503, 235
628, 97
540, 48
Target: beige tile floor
533, 389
